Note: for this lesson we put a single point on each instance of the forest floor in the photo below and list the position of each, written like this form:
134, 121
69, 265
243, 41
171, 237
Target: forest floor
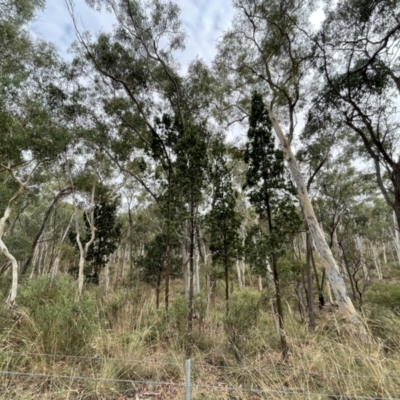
115, 345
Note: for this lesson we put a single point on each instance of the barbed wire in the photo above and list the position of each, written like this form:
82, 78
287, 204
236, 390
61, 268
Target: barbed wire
198, 386
277, 369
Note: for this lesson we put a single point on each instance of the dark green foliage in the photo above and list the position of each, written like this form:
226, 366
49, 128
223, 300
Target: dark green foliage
256, 248
268, 187
161, 257
152, 264
191, 163
223, 220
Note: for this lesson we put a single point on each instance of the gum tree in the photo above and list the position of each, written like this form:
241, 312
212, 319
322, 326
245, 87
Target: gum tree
266, 50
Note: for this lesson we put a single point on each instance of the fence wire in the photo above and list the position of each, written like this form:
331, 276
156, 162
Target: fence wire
280, 369
198, 386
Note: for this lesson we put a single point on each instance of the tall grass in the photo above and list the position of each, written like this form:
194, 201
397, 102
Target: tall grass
119, 338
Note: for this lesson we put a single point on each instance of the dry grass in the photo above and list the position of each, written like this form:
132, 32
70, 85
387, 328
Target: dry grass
120, 338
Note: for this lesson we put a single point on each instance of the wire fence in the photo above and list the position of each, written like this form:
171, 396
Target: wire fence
198, 386
278, 369
188, 386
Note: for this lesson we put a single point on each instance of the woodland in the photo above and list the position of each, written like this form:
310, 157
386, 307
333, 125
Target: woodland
244, 214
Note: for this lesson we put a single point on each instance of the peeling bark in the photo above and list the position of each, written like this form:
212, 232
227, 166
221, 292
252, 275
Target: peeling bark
332, 271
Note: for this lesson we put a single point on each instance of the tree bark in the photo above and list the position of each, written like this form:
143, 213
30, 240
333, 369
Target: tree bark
226, 277
331, 268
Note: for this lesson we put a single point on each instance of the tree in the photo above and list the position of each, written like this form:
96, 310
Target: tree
108, 234
102, 218
223, 221
153, 262
361, 91
266, 49
191, 165
271, 193
29, 133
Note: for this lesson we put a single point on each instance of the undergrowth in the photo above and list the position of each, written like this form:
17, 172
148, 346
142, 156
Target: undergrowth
117, 345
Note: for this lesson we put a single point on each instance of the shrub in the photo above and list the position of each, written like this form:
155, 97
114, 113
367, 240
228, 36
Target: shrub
55, 320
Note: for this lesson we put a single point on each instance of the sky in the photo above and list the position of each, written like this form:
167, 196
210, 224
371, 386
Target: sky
203, 20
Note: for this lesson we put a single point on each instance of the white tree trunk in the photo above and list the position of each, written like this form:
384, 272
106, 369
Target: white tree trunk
260, 285
384, 254
13, 292
396, 237
329, 290
107, 275
376, 262
83, 250
239, 274
186, 267
56, 263
360, 248
331, 267
34, 261
14, 283
196, 272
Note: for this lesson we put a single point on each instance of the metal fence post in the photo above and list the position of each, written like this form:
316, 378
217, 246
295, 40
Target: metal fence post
188, 393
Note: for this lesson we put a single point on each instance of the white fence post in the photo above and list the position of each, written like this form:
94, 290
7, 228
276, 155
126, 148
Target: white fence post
188, 394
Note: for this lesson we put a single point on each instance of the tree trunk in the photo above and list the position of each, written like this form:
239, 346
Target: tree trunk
310, 297
185, 268
130, 242
158, 289
107, 275
260, 285
272, 295
84, 249
331, 267
168, 264
226, 278
279, 308
396, 237
360, 248
54, 269
376, 262
191, 285
14, 283
346, 264
60, 194
196, 271
239, 274
396, 184
13, 292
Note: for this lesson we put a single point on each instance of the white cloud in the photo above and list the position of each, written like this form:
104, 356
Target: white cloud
203, 20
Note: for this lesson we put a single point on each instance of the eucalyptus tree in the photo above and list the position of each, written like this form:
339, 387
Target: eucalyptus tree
137, 82
108, 233
267, 49
30, 133
356, 54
